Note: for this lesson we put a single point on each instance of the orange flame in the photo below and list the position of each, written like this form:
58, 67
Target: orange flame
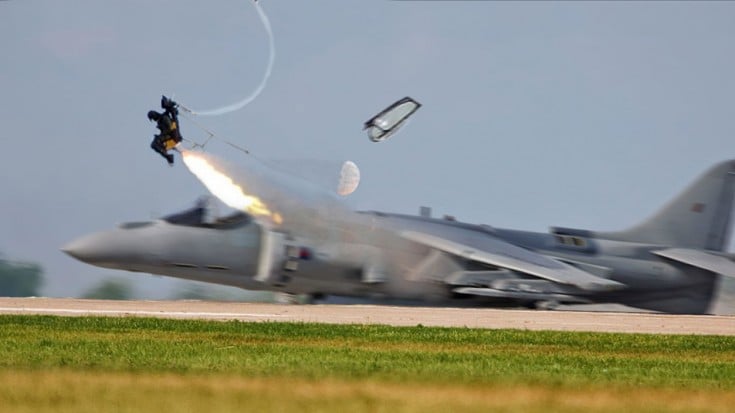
224, 188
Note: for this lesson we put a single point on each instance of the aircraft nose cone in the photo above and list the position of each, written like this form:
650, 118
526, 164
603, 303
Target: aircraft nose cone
117, 249
85, 249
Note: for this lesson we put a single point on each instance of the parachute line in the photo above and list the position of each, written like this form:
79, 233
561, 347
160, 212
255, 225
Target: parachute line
211, 135
269, 68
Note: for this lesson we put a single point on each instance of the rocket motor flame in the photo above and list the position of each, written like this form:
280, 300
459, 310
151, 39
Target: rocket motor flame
278, 199
224, 188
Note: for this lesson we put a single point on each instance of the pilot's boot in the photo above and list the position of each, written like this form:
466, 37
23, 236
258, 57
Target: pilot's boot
156, 146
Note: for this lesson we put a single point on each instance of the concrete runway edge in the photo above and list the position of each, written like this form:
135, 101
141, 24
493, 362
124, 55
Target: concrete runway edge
376, 314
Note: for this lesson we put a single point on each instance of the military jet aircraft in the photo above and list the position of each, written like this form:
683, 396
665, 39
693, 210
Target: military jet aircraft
290, 237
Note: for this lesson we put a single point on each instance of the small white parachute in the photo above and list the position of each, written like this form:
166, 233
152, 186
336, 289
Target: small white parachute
349, 178
340, 177
381, 126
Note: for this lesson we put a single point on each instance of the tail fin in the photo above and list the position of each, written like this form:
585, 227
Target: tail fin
698, 218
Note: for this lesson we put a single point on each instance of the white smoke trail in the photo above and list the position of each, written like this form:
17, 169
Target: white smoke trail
269, 68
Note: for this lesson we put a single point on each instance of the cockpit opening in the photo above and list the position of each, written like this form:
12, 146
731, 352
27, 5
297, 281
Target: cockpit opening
198, 216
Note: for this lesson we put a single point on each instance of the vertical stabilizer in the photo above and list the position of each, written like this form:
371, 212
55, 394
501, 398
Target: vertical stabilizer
699, 217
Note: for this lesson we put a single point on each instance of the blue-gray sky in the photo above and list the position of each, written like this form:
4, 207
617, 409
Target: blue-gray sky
582, 114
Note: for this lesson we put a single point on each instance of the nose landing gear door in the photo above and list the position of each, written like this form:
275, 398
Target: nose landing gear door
271, 257
278, 259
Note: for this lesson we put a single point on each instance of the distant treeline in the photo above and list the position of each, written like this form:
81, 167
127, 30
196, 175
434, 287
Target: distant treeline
20, 279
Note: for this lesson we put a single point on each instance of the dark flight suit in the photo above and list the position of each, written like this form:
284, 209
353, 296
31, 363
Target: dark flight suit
168, 124
167, 138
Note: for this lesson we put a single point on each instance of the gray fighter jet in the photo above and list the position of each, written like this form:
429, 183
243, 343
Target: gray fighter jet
292, 238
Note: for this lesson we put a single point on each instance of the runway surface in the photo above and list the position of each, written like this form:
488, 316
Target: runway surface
375, 314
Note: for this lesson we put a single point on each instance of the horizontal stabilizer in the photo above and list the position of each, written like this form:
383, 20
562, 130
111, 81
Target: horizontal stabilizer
518, 259
700, 259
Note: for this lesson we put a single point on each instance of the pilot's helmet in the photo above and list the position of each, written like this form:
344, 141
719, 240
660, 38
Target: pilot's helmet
153, 115
167, 103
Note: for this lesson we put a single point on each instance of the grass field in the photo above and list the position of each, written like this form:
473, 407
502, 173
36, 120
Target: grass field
133, 364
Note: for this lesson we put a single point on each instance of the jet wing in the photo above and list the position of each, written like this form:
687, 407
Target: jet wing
700, 259
490, 292
509, 256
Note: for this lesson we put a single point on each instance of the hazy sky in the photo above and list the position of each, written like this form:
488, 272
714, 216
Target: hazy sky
581, 114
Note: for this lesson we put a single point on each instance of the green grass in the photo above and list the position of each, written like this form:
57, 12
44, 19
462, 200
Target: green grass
480, 366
